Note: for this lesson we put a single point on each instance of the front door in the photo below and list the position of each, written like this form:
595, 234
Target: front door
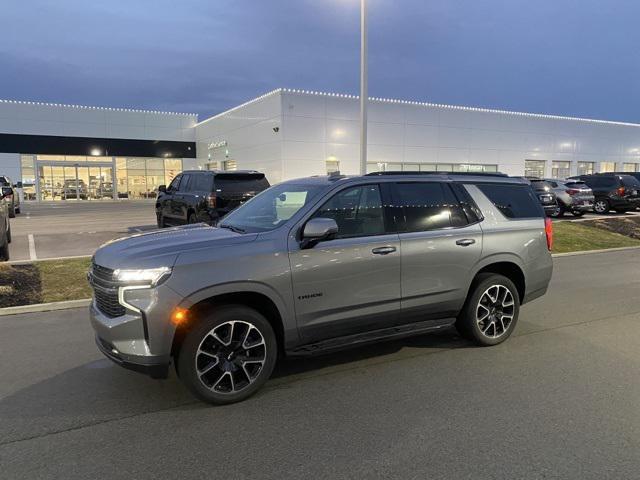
351, 283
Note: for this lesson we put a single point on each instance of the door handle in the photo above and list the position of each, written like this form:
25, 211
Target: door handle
383, 250
465, 242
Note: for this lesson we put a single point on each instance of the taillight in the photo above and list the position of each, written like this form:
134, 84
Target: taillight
548, 231
211, 200
621, 191
572, 191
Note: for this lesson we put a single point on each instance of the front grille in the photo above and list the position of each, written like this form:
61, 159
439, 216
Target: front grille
105, 291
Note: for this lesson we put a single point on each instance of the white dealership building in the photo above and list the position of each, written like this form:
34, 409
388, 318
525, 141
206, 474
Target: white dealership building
127, 153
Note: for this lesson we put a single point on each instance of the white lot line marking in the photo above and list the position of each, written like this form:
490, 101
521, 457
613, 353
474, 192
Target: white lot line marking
32, 247
139, 230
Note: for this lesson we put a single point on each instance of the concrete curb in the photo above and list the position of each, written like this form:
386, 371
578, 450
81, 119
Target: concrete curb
588, 252
22, 262
45, 307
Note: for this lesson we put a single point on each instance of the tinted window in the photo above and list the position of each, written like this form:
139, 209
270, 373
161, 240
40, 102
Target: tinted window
184, 184
201, 183
232, 183
469, 207
605, 181
356, 210
629, 181
514, 201
175, 183
427, 206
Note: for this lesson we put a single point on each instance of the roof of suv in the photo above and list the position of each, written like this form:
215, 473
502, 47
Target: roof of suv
389, 176
225, 172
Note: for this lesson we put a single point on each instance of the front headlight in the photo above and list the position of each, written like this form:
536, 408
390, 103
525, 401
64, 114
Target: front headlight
148, 276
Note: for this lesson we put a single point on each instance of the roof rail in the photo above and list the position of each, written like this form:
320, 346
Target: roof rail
433, 172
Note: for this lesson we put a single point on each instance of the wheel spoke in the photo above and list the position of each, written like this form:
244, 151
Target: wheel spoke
209, 367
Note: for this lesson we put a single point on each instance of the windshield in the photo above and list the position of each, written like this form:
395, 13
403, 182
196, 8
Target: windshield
271, 208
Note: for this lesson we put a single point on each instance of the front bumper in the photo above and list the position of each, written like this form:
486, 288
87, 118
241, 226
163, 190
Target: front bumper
141, 339
154, 370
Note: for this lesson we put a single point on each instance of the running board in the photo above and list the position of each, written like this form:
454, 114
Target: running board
357, 339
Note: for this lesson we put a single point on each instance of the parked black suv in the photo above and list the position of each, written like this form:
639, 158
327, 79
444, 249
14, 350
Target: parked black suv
206, 196
544, 192
612, 191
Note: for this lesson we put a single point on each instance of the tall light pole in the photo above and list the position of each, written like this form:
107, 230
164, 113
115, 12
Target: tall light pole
363, 87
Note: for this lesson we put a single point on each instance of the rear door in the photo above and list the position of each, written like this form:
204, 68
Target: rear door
441, 241
233, 189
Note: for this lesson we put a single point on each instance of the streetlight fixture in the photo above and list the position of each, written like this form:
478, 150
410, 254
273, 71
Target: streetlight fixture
363, 87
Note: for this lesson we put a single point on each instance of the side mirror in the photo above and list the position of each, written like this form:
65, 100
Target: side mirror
317, 230
162, 188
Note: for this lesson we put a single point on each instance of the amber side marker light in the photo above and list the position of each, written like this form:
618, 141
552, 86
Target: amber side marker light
180, 316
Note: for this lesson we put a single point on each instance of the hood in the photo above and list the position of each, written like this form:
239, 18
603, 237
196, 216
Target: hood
161, 247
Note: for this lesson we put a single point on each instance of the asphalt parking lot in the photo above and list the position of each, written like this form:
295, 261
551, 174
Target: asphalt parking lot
62, 229
558, 400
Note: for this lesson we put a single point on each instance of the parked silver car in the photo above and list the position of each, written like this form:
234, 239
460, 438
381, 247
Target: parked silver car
11, 195
573, 196
319, 264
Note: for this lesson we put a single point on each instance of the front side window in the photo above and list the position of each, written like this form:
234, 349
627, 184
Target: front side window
175, 183
357, 211
271, 208
427, 206
184, 184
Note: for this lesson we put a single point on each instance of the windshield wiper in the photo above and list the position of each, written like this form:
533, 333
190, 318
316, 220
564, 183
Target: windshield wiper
233, 228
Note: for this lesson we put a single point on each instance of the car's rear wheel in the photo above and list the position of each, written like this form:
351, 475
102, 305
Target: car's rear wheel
558, 212
192, 218
601, 206
491, 310
228, 355
577, 213
4, 249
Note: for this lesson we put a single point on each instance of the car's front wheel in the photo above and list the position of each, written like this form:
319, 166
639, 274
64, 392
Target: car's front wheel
491, 310
228, 355
559, 211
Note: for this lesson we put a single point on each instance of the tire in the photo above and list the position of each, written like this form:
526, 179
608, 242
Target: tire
9, 233
4, 250
192, 218
577, 213
12, 212
160, 220
492, 329
601, 206
17, 210
219, 376
558, 212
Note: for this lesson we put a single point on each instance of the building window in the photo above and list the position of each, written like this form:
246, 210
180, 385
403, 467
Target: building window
474, 168
229, 165
332, 165
561, 169
630, 167
607, 167
586, 168
534, 168
430, 167
211, 166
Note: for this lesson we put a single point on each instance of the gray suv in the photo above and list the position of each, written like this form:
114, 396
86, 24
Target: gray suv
316, 265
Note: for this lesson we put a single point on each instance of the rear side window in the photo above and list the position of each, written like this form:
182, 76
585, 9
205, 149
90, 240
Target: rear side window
235, 183
608, 181
427, 206
629, 181
201, 183
514, 201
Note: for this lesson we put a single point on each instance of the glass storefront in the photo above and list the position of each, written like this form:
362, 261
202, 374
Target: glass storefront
67, 177
586, 168
631, 167
607, 167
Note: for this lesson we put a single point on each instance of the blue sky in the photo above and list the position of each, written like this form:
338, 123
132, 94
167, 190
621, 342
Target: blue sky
568, 57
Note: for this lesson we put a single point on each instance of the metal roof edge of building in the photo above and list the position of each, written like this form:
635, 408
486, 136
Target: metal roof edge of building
242, 105
424, 104
88, 107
